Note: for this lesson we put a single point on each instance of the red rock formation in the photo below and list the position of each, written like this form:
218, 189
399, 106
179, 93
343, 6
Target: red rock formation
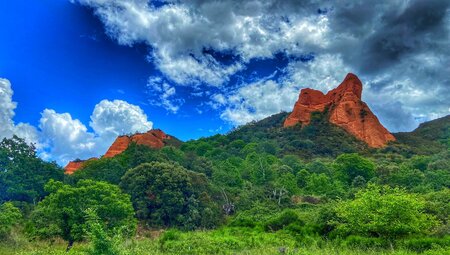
153, 138
75, 165
345, 110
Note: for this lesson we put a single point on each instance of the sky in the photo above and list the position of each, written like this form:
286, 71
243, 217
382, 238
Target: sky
74, 74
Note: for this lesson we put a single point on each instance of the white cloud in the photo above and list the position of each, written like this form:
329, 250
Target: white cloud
62, 138
118, 117
162, 94
180, 32
260, 99
388, 44
66, 138
7, 125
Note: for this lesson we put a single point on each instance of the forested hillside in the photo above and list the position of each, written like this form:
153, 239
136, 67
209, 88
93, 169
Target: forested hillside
261, 188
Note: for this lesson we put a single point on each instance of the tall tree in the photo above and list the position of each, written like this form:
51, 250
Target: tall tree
22, 174
63, 212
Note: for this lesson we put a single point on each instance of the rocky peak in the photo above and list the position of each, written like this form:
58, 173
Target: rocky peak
75, 165
154, 138
345, 109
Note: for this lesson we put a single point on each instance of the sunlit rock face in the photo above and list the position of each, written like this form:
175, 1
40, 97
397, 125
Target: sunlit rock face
345, 109
75, 165
154, 139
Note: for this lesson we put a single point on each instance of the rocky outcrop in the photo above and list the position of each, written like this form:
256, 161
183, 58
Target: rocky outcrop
345, 109
155, 138
75, 165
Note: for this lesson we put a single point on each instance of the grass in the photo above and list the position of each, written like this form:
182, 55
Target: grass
220, 241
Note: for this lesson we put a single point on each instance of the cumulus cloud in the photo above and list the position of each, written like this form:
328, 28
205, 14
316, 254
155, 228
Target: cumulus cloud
118, 117
61, 138
263, 98
182, 34
69, 138
7, 125
398, 48
66, 138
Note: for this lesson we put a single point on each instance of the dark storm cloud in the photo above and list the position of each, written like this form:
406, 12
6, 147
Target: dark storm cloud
399, 48
420, 27
395, 118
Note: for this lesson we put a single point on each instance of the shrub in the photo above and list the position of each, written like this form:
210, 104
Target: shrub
385, 212
421, 244
101, 242
353, 241
9, 215
62, 213
286, 218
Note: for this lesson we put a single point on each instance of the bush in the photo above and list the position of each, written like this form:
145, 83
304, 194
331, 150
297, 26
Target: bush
422, 244
384, 212
286, 218
166, 194
9, 215
364, 242
101, 242
62, 213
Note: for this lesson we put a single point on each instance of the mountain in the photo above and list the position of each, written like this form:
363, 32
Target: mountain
154, 138
73, 166
345, 109
429, 138
320, 125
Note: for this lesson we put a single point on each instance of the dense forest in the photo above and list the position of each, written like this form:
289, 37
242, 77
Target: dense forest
260, 188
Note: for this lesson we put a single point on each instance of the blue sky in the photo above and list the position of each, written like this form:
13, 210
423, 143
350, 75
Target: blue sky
59, 57
74, 74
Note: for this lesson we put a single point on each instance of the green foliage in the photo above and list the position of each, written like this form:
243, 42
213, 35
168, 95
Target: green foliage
163, 195
9, 216
259, 167
428, 139
62, 213
321, 184
384, 212
297, 190
349, 166
364, 242
438, 204
102, 242
287, 218
104, 169
421, 244
22, 174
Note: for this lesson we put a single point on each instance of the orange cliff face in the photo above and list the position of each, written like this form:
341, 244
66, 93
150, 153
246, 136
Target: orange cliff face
154, 139
75, 165
345, 110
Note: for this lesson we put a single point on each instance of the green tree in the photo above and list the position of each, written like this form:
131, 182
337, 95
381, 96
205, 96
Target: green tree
9, 216
22, 174
321, 184
102, 242
104, 169
293, 162
406, 177
163, 193
385, 212
349, 166
63, 212
438, 204
259, 167
227, 174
